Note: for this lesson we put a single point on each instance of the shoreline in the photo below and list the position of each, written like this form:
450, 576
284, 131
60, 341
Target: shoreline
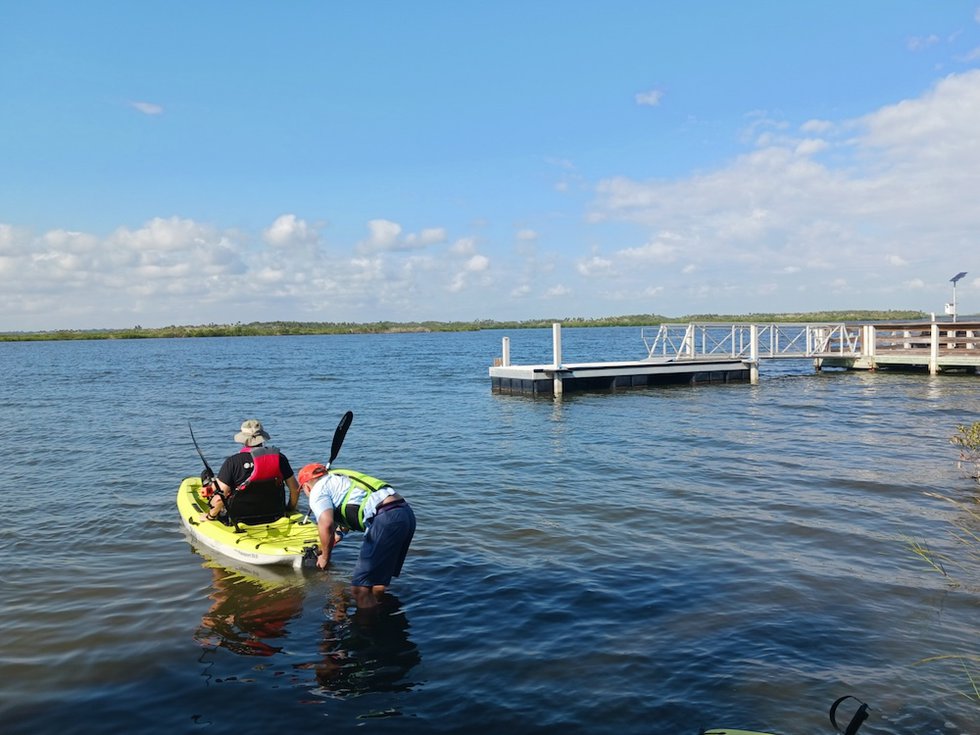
284, 328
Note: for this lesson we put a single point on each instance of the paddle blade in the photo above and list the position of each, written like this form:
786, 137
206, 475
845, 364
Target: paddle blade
339, 434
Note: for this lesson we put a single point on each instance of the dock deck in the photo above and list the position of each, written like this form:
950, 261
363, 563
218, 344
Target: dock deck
586, 376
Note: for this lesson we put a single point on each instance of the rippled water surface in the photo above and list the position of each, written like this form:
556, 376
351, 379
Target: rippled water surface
650, 561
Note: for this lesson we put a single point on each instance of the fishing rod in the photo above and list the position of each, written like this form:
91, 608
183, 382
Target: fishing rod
200, 454
212, 479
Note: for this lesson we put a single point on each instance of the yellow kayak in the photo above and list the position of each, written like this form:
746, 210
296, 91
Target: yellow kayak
282, 542
857, 719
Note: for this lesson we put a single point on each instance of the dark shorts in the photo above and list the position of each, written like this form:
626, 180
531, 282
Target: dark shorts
385, 546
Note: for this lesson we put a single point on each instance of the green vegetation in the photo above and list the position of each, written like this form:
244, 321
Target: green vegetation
967, 438
964, 533
273, 329
967, 524
965, 561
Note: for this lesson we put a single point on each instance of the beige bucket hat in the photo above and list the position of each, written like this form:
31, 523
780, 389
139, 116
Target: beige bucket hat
252, 433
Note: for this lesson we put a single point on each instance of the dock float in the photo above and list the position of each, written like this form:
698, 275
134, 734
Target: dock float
557, 378
589, 376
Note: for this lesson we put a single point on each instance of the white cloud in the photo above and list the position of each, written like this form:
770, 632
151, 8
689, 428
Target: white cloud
777, 227
165, 267
817, 127
288, 230
810, 146
159, 234
383, 235
562, 163
386, 236
430, 236
463, 246
919, 43
891, 187
650, 98
663, 249
70, 241
477, 264
147, 108
594, 266
13, 241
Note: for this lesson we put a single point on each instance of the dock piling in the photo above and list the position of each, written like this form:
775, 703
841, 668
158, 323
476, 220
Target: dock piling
754, 355
556, 352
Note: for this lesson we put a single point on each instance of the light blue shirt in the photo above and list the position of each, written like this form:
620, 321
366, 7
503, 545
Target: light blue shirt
329, 492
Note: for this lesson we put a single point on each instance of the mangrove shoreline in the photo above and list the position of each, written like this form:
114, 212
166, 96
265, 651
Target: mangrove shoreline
281, 328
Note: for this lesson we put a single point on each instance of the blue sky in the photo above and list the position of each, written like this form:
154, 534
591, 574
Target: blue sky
188, 163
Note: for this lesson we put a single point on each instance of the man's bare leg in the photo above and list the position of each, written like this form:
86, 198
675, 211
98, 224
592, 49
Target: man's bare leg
366, 597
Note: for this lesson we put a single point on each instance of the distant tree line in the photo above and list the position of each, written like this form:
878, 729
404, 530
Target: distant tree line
274, 329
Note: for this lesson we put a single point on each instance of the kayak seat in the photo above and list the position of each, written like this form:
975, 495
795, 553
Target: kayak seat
263, 501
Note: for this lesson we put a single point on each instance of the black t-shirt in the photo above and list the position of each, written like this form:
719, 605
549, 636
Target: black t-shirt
238, 467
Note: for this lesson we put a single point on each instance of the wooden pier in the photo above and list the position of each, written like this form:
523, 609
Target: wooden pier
716, 352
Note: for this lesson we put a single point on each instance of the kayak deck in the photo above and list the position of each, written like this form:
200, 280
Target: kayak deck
282, 542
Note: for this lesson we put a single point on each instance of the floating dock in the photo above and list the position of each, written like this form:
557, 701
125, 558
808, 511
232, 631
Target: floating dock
556, 378
586, 376
724, 353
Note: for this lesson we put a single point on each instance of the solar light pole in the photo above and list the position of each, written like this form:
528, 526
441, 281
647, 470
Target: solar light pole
953, 280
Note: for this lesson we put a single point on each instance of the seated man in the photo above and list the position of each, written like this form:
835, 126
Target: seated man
250, 484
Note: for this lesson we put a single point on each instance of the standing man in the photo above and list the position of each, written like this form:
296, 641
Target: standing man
250, 485
347, 499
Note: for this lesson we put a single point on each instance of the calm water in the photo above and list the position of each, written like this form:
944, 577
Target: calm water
639, 562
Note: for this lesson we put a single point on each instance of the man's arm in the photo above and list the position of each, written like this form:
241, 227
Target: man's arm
216, 503
326, 527
293, 493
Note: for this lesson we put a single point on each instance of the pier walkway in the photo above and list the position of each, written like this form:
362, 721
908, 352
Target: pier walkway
725, 352
933, 346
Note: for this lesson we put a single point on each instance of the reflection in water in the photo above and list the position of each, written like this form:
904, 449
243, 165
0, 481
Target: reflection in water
249, 614
253, 613
367, 651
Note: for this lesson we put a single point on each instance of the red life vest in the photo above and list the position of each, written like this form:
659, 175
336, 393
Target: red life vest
260, 498
265, 467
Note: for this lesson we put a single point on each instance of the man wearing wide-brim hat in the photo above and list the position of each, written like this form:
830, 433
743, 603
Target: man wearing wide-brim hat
257, 469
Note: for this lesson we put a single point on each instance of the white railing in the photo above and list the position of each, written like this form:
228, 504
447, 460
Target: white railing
753, 341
